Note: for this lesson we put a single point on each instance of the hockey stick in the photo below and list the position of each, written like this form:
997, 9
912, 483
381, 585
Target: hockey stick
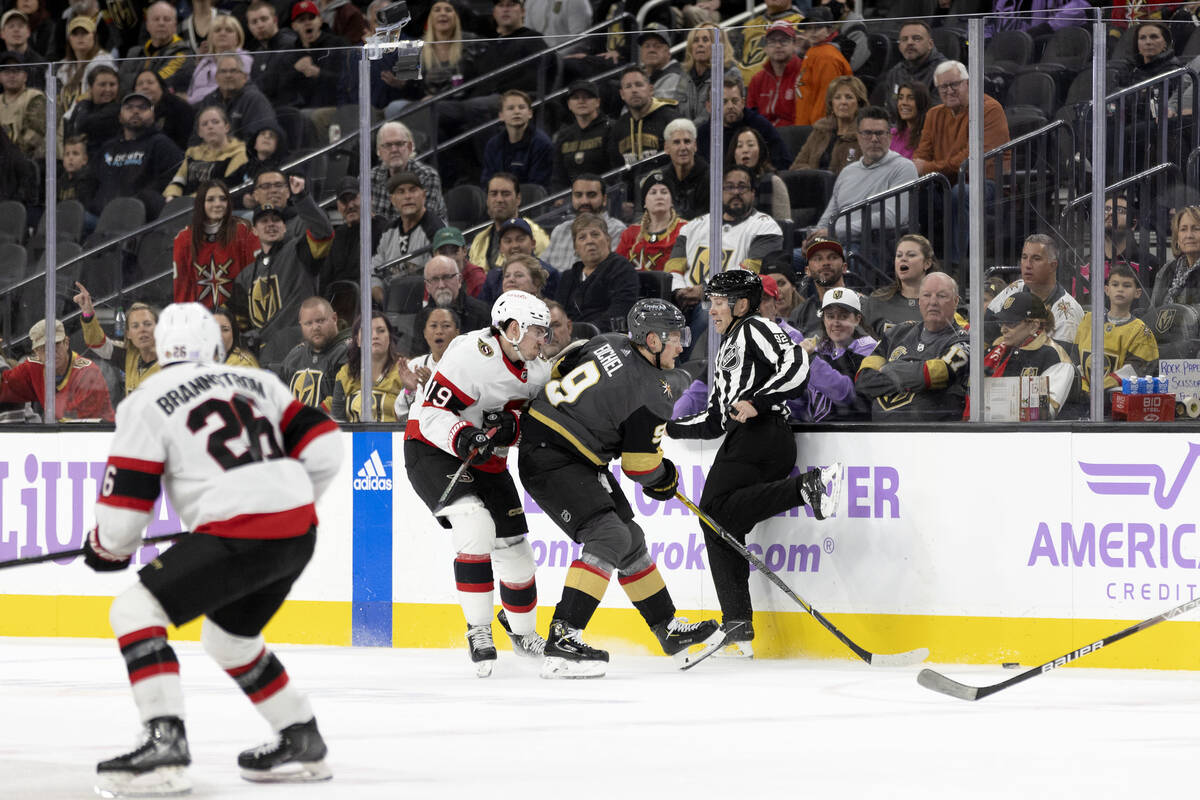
940, 683
875, 659
458, 473
21, 562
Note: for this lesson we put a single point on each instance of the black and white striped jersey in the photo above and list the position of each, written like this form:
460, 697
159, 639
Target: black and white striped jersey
758, 362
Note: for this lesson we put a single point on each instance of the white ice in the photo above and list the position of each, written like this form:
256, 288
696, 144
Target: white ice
418, 724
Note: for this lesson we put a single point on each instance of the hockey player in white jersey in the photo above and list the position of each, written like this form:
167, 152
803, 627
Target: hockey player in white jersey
243, 464
471, 412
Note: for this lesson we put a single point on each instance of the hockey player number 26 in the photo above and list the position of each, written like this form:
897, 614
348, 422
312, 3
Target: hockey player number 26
570, 386
240, 421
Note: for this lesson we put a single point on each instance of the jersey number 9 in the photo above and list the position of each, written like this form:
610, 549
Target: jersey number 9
570, 386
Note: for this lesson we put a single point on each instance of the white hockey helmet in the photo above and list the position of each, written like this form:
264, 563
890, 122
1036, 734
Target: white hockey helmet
187, 332
526, 309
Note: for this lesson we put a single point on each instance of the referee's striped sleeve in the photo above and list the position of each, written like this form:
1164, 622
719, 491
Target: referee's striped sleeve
789, 361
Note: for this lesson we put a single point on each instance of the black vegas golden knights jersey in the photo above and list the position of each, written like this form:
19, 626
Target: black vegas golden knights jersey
906, 377
604, 401
310, 375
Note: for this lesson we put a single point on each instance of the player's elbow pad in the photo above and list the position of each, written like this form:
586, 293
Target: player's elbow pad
321, 459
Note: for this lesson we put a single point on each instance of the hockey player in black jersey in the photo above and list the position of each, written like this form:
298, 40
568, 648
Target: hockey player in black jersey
609, 397
758, 367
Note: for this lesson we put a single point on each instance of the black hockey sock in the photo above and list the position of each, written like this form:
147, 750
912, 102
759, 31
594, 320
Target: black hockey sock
473, 573
649, 594
262, 678
582, 593
519, 598
147, 654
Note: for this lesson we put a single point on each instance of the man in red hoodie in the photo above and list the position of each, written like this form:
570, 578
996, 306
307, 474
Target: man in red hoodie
81, 392
772, 90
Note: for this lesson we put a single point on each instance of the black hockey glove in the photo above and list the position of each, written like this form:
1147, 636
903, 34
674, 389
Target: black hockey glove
473, 442
507, 425
99, 559
667, 485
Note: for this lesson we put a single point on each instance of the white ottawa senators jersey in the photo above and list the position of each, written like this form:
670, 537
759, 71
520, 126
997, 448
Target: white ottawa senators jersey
237, 454
474, 376
745, 244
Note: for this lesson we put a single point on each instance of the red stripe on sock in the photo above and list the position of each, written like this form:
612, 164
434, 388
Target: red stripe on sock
242, 670
518, 586
470, 558
637, 576
589, 568
142, 674
519, 609
140, 635
473, 587
270, 689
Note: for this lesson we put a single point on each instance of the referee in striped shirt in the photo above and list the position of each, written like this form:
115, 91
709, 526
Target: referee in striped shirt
758, 367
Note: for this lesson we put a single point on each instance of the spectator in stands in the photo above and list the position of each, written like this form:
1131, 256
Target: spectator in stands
344, 19
43, 31
823, 61
15, 31
664, 72
879, 170
231, 340
516, 239
912, 103
446, 51
1025, 348
1179, 280
226, 38
196, 29
1120, 247
833, 142
1127, 340
118, 32
76, 180
648, 243
97, 116
768, 308
449, 242
586, 144
521, 147
310, 368
943, 147
441, 326
827, 271
267, 294
212, 251
559, 335
83, 54
697, 69
139, 163
851, 36
388, 367
588, 195
1140, 126
992, 286
81, 392
164, 52
395, 146
919, 370
444, 285
779, 267
246, 106
318, 66
834, 357
687, 176
1039, 275
525, 273
342, 262
919, 58
735, 116
503, 201
748, 149
266, 148
601, 286
772, 90
22, 108
134, 355
413, 229
898, 302
645, 117
753, 50
18, 174
273, 188
267, 43
219, 155
173, 115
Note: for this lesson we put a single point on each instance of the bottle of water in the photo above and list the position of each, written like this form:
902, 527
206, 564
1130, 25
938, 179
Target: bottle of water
119, 323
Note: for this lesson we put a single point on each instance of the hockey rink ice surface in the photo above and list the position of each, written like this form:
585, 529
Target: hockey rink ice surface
418, 724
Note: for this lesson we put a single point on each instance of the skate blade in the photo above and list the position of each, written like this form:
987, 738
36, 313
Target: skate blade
686, 659
291, 772
741, 650
483, 669
831, 477
161, 782
554, 667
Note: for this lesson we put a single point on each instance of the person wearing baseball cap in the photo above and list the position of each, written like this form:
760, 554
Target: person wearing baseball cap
81, 394
648, 243
822, 62
827, 270
835, 355
517, 238
16, 30
22, 107
414, 227
752, 51
450, 242
313, 77
772, 90
586, 144
342, 262
1024, 347
664, 72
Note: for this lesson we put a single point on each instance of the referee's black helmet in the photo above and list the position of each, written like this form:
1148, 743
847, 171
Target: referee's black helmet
734, 284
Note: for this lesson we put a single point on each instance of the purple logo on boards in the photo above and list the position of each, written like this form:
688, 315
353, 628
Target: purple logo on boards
1140, 479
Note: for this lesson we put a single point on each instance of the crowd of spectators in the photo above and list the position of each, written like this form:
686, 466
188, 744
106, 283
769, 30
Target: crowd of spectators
208, 103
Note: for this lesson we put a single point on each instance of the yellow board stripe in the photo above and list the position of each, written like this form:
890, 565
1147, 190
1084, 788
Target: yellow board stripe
586, 581
563, 432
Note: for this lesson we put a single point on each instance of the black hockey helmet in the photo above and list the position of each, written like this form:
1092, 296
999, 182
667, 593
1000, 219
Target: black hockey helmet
734, 284
652, 315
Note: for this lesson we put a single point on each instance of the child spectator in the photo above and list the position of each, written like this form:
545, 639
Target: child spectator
1127, 340
76, 181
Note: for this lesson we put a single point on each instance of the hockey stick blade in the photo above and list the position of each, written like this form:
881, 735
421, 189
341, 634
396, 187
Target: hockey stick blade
874, 659
940, 683
23, 562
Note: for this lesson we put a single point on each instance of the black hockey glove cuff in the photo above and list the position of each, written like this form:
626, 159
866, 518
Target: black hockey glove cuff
99, 559
507, 425
666, 487
472, 442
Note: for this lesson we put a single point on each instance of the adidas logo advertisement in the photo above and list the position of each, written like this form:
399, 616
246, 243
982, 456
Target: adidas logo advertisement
372, 475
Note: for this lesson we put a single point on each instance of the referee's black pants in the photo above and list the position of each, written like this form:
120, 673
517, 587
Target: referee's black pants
749, 482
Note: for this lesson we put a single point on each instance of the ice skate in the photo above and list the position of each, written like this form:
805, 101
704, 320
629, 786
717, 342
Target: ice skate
157, 767
568, 657
481, 648
297, 756
813, 489
530, 645
677, 636
738, 633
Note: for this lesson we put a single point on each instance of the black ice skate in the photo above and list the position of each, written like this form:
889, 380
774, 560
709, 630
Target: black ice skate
297, 756
738, 635
812, 489
530, 645
677, 635
568, 657
157, 767
481, 648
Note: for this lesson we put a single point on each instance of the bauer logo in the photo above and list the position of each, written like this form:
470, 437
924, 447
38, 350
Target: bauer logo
372, 475
1140, 479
